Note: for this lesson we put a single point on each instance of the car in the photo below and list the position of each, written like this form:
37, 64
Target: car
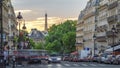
116, 60
109, 59
95, 58
101, 58
37, 56
54, 58
34, 57
66, 58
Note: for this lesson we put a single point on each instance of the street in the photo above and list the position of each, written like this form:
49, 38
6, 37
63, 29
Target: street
66, 64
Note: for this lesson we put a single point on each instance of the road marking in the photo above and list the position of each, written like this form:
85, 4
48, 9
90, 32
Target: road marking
58, 64
84, 64
66, 64
50, 65
93, 65
75, 64
101, 64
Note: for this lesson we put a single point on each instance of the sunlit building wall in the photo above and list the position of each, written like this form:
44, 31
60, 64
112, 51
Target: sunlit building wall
12, 25
89, 25
112, 19
79, 32
102, 26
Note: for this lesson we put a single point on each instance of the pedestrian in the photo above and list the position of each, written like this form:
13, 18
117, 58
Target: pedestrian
5, 52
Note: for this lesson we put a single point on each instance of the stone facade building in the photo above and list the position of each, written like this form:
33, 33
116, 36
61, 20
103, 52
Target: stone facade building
100, 16
8, 21
102, 25
79, 32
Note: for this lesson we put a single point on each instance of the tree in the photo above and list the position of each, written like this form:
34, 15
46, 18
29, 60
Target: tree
61, 38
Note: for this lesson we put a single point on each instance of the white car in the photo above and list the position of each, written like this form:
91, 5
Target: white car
54, 58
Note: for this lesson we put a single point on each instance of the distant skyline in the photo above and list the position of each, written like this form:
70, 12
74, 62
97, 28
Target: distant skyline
33, 11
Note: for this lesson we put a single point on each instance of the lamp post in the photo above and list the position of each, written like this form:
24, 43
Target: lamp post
113, 31
2, 65
24, 28
19, 20
94, 37
83, 43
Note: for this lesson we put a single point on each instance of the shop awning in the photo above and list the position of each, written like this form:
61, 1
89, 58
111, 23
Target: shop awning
75, 53
111, 49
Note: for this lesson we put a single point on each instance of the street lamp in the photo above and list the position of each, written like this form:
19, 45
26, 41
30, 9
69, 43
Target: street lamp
113, 31
24, 27
94, 37
19, 20
83, 43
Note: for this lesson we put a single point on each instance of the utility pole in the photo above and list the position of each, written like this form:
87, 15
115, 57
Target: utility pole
2, 64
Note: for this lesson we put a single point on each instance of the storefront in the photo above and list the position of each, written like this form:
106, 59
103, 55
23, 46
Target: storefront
115, 48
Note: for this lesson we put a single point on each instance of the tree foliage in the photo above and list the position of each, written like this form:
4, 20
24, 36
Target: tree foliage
61, 38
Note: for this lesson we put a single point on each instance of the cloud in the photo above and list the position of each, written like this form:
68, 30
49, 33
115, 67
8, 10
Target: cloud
23, 11
40, 22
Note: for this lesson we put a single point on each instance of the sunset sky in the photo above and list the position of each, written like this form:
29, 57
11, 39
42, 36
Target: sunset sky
33, 11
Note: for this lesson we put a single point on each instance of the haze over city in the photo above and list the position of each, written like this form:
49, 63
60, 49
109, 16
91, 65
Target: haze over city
33, 11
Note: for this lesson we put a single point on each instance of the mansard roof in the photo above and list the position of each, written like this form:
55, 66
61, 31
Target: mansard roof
91, 3
36, 34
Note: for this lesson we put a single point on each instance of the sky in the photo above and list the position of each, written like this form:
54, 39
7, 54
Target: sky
33, 11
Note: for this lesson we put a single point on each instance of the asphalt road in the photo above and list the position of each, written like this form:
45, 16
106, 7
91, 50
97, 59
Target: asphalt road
69, 65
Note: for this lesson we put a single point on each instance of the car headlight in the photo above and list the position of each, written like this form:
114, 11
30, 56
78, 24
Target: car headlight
58, 58
50, 59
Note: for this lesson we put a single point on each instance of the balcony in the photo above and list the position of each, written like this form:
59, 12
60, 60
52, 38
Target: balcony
118, 25
112, 19
79, 36
110, 34
113, 5
88, 39
101, 7
79, 44
101, 39
89, 15
101, 28
79, 29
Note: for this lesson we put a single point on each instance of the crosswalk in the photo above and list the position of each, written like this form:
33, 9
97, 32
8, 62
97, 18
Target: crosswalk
83, 65
66, 65
74, 65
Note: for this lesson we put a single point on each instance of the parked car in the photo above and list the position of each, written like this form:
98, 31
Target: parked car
101, 58
95, 58
38, 56
75, 59
34, 57
89, 58
116, 60
109, 59
66, 58
54, 58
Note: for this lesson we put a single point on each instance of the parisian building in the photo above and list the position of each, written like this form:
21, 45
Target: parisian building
100, 16
79, 32
12, 25
36, 35
8, 21
89, 25
102, 25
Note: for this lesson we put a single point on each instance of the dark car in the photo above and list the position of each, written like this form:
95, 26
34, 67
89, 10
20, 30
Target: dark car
38, 56
34, 58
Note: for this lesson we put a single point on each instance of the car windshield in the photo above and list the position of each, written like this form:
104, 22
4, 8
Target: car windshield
54, 55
